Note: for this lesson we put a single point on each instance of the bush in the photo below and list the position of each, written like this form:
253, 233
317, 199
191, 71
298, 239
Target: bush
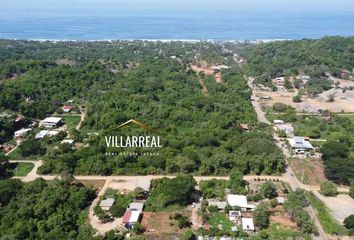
328, 189
261, 217
351, 191
349, 223
30, 147
280, 107
297, 98
269, 190
255, 198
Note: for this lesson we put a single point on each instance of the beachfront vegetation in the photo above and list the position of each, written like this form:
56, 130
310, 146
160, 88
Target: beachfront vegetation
315, 58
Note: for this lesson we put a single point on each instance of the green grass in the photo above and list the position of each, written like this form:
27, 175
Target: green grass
220, 218
71, 121
21, 169
16, 155
329, 224
276, 231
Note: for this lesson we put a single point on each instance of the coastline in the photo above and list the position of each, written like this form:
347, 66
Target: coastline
251, 41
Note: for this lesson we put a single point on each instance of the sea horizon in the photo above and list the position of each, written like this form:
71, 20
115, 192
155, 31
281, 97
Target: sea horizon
179, 26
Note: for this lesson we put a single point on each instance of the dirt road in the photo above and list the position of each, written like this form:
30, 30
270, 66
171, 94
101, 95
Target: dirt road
260, 114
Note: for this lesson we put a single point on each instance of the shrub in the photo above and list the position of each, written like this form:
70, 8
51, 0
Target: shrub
269, 190
328, 189
297, 98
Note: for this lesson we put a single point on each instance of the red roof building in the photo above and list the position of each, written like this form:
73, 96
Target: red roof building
67, 108
127, 216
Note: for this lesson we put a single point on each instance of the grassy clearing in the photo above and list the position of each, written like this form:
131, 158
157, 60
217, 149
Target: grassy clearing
16, 155
276, 231
329, 224
71, 121
220, 218
21, 169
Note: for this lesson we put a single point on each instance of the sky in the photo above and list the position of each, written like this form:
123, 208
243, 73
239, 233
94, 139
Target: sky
28, 7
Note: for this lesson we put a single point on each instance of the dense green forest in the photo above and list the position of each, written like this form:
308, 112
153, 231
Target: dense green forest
150, 82
311, 57
43, 210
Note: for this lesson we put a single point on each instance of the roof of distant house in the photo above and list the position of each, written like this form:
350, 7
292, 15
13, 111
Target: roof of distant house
300, 142
134, 217
276, 121
108, 202
247, 224
144, 184
136, 206
23, 130
52, 120
69, 141
238, 200
219, 204
19, 118
281, 200
41, 134
126, 216
68, 107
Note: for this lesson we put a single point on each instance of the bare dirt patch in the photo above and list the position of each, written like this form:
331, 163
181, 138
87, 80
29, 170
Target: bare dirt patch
208, 71
284, 220
160, 225
308, 171
342, 101
340, 206
95, 184
203, 85
67, 62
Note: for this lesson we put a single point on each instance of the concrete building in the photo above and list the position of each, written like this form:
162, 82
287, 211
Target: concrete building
136, 206
247, 224
107, 204
239, 201
51, 122
130, 218
300, 144
220, 204
22, 132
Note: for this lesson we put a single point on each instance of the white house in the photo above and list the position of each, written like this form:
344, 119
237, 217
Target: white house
276, 121
299, 144
22, 132
247, 224
41, 134
239, 201
51, 122
279, 81
136, 206
131, 217
69, 141
107, 204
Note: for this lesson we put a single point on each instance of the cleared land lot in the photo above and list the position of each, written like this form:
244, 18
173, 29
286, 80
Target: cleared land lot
343, 101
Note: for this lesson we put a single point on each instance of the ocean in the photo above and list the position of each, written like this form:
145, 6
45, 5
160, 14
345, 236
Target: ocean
219, 26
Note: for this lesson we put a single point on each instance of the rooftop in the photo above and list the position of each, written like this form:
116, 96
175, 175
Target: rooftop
108, 202
136, 206
219, 204
300, 142
238, 200
247, 224
52, 120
